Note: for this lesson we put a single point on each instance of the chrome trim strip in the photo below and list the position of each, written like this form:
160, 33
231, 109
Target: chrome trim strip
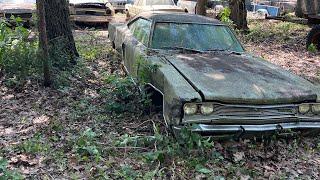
251, 128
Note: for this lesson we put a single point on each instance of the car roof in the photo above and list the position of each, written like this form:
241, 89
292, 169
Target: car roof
178, 17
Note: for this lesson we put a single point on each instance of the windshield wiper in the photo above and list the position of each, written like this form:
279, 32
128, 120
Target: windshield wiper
224, 50
181, 49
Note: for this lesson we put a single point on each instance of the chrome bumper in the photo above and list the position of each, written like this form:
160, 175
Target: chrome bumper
221, 129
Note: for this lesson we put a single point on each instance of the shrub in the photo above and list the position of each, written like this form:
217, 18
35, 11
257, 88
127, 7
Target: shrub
18, 55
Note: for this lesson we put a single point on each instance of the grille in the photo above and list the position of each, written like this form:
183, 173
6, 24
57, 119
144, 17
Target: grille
253, 111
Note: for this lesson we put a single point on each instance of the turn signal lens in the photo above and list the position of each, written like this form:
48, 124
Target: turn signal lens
206, 109
316, 108
190, 109
304, 108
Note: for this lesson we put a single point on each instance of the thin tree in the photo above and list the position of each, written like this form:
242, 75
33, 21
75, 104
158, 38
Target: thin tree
43, 42
201, 7
59, 28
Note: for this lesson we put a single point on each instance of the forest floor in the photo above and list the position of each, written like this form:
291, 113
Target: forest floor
69, 133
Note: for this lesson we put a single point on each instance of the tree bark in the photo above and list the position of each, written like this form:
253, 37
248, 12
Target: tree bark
305, 7
59, 28
201, 7
239, 14
43, 43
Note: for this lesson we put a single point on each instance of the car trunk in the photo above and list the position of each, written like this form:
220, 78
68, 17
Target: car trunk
241, 79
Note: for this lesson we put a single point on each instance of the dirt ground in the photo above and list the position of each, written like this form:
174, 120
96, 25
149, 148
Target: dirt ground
68, 133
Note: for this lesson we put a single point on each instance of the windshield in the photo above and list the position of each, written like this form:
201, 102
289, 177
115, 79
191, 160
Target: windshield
159, 2
17, 1
202, 37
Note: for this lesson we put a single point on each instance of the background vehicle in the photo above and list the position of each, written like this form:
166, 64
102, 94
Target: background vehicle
151, 5
213, 85
118, 5
18, 8
189, 6
91, 11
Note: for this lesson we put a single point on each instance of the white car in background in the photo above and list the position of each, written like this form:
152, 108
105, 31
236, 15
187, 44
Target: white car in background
189, 6
118, 5
151, 5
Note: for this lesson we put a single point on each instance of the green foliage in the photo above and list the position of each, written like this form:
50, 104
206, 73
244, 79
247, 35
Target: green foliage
34, 145
124, 95
18, 55
86, 145
282, 31
312, 48
224, 16
7, 174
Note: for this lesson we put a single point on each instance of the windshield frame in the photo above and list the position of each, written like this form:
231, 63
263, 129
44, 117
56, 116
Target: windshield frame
211, 24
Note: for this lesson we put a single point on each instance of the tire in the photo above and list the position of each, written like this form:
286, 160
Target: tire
314, 37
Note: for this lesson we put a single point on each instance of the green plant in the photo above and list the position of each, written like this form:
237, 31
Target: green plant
124, 95
86, 145
18, 54
145, 70
34, 145
7, 174
312, 48
224, 16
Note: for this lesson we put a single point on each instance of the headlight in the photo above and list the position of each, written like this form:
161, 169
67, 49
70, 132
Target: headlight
190, 109
304, 108
316, 108
206, 109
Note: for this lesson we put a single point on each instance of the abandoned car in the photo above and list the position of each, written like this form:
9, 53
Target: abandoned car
91, 11
18, 8
118, 5
151, 5
208, 81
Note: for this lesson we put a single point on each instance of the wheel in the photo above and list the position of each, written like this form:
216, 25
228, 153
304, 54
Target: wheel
314, 37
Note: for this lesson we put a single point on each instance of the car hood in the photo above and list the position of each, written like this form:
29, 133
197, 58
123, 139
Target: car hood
17, 8
242, 79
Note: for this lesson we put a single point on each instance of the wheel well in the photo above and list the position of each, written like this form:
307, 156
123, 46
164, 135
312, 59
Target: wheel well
186, 10
155, 95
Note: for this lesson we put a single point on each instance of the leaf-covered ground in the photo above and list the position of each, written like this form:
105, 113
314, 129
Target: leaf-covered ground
69, 132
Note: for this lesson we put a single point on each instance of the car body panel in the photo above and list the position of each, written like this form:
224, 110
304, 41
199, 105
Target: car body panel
247, 93
242, 78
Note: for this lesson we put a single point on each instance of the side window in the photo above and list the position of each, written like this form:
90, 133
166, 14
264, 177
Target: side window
141, 30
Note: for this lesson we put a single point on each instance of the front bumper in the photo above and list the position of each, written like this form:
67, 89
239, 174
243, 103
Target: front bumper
91, 19
237, 131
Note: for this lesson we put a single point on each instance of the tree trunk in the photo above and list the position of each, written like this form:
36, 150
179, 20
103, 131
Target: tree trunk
305, 7
43, 43
201, 7
239, 14
59, 29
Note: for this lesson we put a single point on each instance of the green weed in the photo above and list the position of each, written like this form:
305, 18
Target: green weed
5, 173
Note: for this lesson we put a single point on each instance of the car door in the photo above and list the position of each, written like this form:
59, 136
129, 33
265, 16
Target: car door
136, 44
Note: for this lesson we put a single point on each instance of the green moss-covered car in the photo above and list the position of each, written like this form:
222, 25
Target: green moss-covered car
207, 80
